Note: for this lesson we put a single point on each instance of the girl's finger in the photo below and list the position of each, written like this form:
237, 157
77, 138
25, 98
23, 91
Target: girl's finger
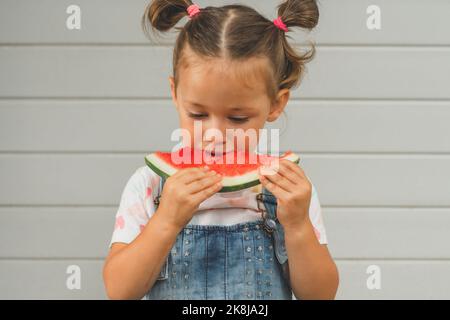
294, 168
273, 188
192, 174
207, 192
281, 181
203, 183
286, 172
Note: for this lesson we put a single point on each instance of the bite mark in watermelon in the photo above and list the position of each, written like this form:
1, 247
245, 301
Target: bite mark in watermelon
236, 175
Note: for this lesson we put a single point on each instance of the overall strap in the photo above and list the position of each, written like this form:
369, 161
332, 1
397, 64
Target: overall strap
161, 185
164, 273
271, 223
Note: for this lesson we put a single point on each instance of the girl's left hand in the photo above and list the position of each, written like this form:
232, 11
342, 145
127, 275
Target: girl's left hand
292, 189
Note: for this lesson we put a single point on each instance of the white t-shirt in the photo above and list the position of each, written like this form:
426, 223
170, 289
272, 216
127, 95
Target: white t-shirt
228, 208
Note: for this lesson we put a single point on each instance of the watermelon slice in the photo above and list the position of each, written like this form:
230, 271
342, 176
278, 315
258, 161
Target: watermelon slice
239, 173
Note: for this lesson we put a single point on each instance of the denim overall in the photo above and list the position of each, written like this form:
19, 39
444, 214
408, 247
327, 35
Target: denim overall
241, 261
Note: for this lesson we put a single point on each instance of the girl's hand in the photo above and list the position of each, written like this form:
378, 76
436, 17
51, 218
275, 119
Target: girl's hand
292, 189
184, 191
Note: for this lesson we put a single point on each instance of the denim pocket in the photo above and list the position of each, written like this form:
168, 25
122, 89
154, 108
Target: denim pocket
164, 273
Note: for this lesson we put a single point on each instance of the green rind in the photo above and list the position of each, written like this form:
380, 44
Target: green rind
224, 189
156, 169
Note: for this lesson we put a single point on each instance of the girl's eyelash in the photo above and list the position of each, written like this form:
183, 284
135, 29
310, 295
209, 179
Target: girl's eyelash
195, 115
239, 120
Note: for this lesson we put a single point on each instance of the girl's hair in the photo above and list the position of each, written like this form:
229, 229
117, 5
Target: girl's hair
237, 33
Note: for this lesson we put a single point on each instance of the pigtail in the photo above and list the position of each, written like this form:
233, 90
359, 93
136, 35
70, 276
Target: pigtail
299, 13
303, 14
163, 15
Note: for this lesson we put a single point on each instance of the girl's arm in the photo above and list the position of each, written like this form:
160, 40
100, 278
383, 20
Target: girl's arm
312, 271
130, 270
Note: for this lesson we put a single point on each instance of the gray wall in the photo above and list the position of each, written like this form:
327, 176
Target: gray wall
77, 116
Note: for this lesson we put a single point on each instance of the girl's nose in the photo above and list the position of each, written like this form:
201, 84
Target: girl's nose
214, 130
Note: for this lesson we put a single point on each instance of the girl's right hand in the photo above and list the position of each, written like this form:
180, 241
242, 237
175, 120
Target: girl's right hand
184, 191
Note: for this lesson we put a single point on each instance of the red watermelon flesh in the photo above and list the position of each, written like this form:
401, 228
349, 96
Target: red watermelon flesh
239, 169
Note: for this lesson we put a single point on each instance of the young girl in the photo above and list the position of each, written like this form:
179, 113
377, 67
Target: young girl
232, 69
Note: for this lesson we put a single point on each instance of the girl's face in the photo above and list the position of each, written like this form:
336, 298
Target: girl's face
210, 95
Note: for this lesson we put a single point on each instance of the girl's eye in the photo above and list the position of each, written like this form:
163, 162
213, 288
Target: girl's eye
197, 115
238, 120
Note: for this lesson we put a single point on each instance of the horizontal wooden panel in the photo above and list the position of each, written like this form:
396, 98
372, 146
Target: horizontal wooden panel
341, 180
46, 279
115, 21
56, 232
353, 233
310, 126
399, 280
141, 72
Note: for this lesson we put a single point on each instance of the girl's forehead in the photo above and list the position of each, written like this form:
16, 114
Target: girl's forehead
224, 78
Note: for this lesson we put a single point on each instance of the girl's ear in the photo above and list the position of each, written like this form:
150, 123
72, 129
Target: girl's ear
278, 106
173, 91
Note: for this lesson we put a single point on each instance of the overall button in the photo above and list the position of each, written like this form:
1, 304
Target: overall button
188, 231
249, 259
187, 242
186, 253
260, 248
247, 238
249, 249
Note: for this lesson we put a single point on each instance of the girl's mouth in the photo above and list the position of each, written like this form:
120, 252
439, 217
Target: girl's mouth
218, 154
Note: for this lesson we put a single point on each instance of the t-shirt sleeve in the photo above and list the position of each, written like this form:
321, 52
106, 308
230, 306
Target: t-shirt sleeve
315, 215
136, 206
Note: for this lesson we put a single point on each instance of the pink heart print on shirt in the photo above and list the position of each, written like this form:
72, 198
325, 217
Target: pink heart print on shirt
137, 210
120, 223
149, 192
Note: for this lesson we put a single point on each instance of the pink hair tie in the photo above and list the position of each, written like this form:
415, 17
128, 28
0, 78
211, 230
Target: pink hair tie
193, 9
280, 24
